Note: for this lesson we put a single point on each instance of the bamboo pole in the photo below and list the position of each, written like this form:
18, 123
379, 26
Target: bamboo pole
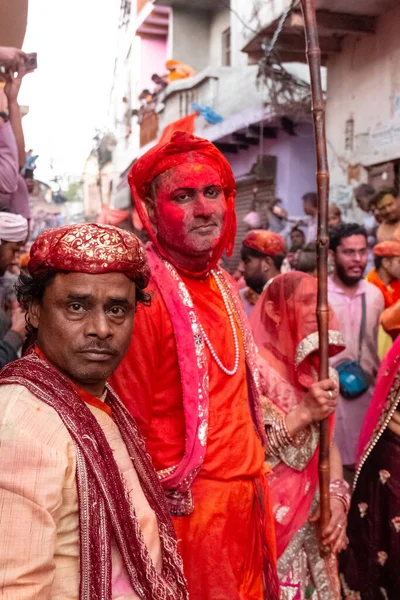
318, 112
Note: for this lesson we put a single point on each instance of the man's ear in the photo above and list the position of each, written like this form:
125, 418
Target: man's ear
266, 263
332, 256
33, 315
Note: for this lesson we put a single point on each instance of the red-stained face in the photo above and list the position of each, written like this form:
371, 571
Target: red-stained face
190, 209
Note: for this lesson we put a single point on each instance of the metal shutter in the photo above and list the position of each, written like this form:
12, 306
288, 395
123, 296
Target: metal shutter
244, 201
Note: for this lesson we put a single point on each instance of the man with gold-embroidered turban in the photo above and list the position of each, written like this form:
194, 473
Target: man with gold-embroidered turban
82, 512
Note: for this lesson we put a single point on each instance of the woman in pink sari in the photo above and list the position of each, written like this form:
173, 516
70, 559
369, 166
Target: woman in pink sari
370, 568
285, 329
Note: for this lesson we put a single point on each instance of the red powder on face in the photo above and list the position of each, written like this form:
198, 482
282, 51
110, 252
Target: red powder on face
190, 209
181, 149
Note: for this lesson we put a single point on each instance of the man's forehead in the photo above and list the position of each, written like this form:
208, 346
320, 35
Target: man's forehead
353, 241
189, 174
385, 201
99, 285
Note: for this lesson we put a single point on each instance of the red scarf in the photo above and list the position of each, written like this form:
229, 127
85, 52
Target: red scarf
104, 507
86, 397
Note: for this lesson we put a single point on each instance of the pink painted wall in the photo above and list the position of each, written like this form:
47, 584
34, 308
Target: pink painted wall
296, 165
152, 60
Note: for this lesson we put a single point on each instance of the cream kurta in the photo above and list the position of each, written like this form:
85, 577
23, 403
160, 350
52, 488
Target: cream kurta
39, 536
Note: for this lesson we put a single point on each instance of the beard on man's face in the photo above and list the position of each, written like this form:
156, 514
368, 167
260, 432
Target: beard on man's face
345, 278
255, 282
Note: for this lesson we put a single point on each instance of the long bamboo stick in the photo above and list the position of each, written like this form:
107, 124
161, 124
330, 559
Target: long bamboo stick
318, 111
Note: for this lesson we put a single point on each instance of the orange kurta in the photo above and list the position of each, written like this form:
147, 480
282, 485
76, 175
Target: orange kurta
219, 541
391, 292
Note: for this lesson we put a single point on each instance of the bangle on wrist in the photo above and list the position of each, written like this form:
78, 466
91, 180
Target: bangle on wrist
278, 435
340, 490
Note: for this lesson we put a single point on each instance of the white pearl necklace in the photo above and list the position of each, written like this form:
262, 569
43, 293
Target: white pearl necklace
234, 332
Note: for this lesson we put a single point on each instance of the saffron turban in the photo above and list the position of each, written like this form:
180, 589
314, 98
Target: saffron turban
13, 228
90, 248
184, 147
388, 248
266, 242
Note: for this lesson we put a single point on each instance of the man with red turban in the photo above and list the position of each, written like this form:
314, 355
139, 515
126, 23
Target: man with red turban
263, 253
82, 512
194, 389
386, 275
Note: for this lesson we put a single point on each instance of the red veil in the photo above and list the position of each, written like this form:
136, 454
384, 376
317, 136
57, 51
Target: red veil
285, 328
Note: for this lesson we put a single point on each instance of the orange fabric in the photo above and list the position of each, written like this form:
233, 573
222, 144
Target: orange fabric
86, 397
178, 70
390, 319
219, 539
186, 124
391, 292
112, 216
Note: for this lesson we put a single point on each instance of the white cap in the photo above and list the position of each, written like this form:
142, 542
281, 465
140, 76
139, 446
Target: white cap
13, 228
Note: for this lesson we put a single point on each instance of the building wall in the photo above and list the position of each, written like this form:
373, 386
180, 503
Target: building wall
220, 21
296, 166
191, 37
364, 85
212, 88
153, 54
257, 14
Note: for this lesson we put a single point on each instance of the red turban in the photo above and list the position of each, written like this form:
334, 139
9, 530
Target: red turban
90, 248
266, 242
388, 248
184, 147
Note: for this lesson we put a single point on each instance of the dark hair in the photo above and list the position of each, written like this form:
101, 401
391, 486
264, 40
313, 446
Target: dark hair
378, 261
307, 260
312, 198
299, 230
247, 252
364, 190
385, 191
342, 231
31, 290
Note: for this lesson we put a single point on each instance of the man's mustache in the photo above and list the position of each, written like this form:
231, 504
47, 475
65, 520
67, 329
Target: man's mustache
100, 348
204, 222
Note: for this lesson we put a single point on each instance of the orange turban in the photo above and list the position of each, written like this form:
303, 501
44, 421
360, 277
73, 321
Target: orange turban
387, 248
90, 248
184, 147
266, 242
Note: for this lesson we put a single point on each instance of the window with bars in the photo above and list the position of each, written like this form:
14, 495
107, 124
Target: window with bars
226, 47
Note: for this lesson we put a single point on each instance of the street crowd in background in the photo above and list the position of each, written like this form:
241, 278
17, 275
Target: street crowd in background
16, 179
85, 512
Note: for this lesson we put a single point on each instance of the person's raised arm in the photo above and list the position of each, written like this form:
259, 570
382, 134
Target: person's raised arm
10, 58
11, 90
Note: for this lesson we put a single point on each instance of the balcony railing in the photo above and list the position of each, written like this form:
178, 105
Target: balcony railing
228, 90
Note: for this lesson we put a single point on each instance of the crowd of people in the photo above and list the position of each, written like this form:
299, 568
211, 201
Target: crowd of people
179, 458
363, 292
16, 180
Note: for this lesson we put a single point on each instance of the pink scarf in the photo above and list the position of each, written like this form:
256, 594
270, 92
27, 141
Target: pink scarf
104, 508
194, 376
292, 341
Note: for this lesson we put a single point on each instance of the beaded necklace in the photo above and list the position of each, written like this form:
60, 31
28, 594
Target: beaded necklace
224, 294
